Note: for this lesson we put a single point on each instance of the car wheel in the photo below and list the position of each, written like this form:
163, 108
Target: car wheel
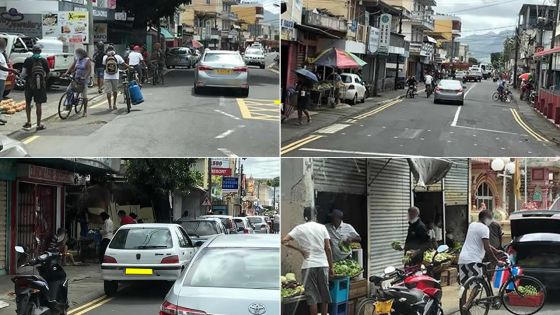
355, 99
197, 90
436, 101
363, 98
461, 103
110, 287
262, 66
245, 93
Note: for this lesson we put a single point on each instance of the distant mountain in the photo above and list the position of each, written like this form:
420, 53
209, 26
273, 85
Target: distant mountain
271, 18
481, 46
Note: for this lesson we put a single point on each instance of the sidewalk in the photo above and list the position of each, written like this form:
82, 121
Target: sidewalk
84, 285
535, 119
50, 110
325, 116
450, 300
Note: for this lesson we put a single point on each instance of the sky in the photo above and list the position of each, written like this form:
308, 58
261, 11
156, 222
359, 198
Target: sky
261, 167
481, 16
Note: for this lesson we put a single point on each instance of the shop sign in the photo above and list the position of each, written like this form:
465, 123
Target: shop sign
100, 32
46, 174
220, 163
287, 24
230, 184
120, 16
221, 171
384, 33
373, 40
68, 26
537, 195
28, 24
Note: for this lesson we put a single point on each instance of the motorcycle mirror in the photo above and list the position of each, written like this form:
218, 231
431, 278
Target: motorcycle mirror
389, 270
19, 249
442, 248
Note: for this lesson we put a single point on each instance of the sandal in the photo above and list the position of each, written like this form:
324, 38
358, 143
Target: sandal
27, 125
40, 127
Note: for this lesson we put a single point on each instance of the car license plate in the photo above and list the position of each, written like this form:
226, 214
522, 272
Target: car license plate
138, 271
223, 71
383, 307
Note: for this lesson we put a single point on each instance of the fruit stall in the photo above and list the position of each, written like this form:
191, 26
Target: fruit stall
10, 106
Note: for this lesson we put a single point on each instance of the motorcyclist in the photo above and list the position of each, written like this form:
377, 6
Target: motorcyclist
411, 82
501, 88
429, 81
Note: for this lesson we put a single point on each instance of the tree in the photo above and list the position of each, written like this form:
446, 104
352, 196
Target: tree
158, 177
496, 59
275, 182
149, 11
473, 61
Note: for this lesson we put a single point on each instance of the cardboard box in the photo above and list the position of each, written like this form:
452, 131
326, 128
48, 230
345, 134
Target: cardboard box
453, 273
358, 289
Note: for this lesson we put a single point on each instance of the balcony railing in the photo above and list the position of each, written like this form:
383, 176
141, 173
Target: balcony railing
228, 16
324, 21
415, 48
423, 19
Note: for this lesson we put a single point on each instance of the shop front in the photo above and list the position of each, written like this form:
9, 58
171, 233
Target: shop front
7, 176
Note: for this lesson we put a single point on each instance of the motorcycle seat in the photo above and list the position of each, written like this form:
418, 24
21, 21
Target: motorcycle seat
412, 296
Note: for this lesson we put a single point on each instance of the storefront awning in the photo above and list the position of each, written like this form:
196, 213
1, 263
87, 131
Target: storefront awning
428, 171
547, 52
81, 166
429, 39
315, 30
167, 34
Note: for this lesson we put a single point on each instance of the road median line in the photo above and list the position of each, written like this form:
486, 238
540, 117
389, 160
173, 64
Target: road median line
93, 306
523, 125
81, 307
295, 145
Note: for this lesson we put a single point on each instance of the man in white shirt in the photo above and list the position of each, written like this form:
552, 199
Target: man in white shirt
4, 70
106, 234
341, 235
136, 60
111, 75
315, 247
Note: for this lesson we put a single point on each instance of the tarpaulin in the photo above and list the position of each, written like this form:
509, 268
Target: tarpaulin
428, 171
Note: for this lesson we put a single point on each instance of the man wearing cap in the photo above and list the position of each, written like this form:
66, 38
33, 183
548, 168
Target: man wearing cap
136, 60
341, 234
417, 238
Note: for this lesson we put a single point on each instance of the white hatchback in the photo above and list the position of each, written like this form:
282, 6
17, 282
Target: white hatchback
355, 88
151, 251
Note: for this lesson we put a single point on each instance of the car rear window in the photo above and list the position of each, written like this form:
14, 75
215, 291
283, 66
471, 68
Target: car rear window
450, 84
223, 58
143, 238
255, 220
244, 268
346, 78
200, 228
254, 51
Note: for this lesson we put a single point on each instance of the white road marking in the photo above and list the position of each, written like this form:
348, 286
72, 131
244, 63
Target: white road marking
227, 152
490, 130
350, 153
222, 101
332, 129
227, 114
456, 118
225, 134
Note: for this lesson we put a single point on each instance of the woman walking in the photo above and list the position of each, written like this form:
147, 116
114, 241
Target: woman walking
302, 89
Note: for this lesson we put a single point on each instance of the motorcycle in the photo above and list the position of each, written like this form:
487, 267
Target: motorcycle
532, 97
43, 294
411, 91
429, 90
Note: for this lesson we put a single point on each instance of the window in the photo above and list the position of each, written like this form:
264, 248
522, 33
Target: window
142, 238
484, 195
182, 241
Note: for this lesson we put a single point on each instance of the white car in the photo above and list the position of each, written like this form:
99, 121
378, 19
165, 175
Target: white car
355, 88
230, 274
149, 251
254, 57
243, 225
260, 224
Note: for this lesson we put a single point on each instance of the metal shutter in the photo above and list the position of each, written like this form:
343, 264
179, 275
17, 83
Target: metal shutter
3, 223
389, 197
340, 175
456, 183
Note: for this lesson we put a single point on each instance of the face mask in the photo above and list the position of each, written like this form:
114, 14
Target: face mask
413, 220
487, 221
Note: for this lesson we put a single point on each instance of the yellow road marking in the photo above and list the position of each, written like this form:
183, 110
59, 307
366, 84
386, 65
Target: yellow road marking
30, 139
70, 312
98, 104
94, 306
259, 109
274, 70
523, 125
377, 110
298, 144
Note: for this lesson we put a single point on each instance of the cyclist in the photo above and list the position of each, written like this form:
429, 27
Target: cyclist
81, 69
136, 61
411, 82
158, 58
111, 62
502, 88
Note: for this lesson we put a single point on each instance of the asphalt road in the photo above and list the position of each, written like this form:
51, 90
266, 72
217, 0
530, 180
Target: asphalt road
421, 128
172, 122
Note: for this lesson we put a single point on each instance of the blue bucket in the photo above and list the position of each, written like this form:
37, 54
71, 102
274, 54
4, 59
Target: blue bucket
135, 93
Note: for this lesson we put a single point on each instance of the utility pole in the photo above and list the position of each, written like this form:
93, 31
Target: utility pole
516, 53
398, 56
240, 187
90, 42
549, 78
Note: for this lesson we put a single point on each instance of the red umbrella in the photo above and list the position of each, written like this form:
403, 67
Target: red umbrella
336, 58
196, 44
525, 76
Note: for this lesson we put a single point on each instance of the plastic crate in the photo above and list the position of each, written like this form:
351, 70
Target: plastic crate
530, 301
338, 308
340, 289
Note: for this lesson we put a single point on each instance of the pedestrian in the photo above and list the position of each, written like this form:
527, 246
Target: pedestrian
98, 57
111, 62
125, 219
417, 239
106, 234
134, 217
209, 212
35, 72
276, 219
302, 89
81, 69
341, 235
136, 61
58, 243
158, 58
315, 247
476, 246
4, 70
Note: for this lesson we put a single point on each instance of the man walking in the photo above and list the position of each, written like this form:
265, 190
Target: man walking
314, 246
106, 234
417, 238
99, 68
341, 235
111, 62
4, 70
35, 71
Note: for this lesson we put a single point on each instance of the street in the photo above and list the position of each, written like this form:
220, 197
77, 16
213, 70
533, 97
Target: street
421, 128
171, 122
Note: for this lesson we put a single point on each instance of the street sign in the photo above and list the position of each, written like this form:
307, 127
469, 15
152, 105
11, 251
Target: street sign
373, 41
207, 202
384, 33
220, 163
221, 171
230, 184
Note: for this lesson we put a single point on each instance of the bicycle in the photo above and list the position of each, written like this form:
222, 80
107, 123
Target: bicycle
126, 93
505, 97
517, 293
71, 99
157, 73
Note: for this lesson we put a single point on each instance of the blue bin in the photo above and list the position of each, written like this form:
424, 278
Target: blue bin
340, 289
135, 93
338, 308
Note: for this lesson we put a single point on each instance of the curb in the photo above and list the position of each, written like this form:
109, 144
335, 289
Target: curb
541, 116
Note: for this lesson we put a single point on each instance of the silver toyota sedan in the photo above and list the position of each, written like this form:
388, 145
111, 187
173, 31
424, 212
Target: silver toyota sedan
221, 69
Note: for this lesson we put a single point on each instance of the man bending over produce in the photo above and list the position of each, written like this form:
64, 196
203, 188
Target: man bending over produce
317, 267
342, 235
417, 239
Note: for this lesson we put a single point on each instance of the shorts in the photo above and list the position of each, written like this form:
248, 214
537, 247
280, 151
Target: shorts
99, 73
39, 96
469, 270
111, 85
316, 284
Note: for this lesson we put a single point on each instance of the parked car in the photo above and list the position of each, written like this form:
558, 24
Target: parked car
260, 223
10, 82
449, 91
244, 225
355, 89
254, 56
180, 57
460, 75
229, 275
19, 47
472, 75
202, 229
536, 244
148, 251
227, 221
12, 148
221, 69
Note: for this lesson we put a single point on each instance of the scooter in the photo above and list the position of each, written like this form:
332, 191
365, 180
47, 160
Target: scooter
43, 294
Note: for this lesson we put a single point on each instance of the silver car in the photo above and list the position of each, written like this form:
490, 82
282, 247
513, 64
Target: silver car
260, 224
230, 274
221, 69
450, 91
254, 57
12, 148
179, 57
203, 229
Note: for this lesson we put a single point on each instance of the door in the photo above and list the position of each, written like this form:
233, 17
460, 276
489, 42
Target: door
36, 217
186, 247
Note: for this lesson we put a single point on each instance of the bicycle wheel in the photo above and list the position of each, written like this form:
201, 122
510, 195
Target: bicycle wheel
155, 76
63, 112
523, 295
495, 96
366, 307
127, 99
78, 107
474, 290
